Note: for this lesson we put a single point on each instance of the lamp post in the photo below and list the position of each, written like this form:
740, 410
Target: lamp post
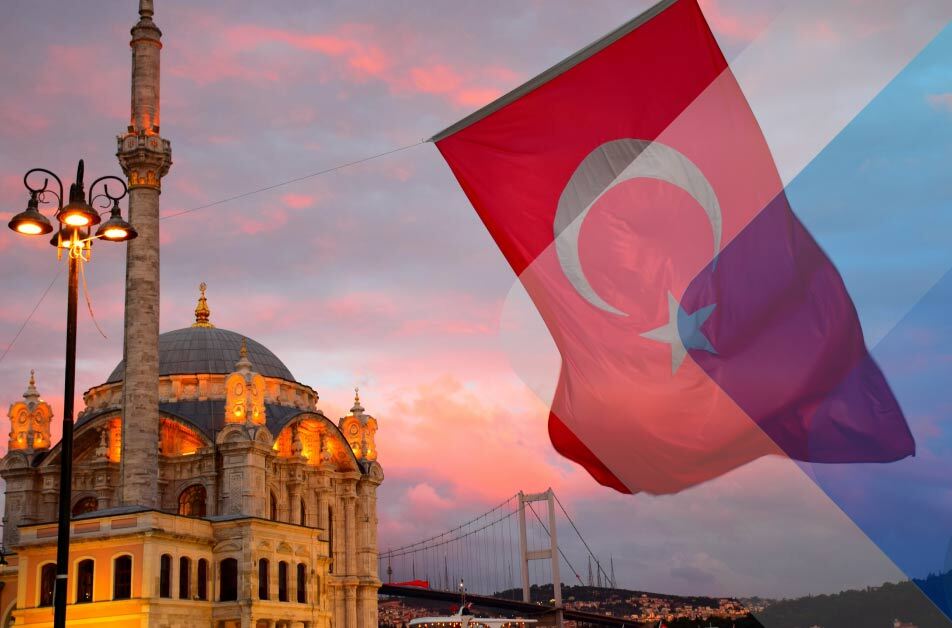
74, 237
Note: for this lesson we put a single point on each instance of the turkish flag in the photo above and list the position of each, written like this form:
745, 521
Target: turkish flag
700, 326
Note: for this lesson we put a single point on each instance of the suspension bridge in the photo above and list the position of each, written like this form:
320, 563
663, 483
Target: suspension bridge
508, 558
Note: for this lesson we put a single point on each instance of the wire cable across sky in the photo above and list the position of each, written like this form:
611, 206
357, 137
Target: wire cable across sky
221, 201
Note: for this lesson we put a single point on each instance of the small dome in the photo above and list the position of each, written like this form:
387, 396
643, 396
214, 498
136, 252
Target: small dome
209, 350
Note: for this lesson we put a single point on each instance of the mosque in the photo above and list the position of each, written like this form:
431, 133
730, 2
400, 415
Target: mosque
208, 489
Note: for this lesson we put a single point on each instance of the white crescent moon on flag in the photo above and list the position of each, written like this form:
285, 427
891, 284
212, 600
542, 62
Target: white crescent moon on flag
605, 167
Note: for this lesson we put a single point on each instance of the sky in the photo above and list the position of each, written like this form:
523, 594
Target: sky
381, 276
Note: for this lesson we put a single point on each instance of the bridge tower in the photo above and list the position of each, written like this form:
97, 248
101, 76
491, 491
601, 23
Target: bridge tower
551, 553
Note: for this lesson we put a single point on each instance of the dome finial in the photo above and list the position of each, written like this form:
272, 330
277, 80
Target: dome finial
31, 393
202, 312
357, 409
243, 365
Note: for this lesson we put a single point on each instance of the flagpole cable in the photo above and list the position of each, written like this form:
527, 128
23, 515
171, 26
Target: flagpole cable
89, 301
290, 181
213, 204
32, 312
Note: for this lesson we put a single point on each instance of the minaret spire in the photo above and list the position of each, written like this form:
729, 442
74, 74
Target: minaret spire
145, 158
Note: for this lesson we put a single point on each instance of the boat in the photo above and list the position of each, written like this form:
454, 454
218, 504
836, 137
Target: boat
464, 618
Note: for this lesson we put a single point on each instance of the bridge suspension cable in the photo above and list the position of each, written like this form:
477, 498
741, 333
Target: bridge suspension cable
457, 528
598, 564
486, 554
568, 563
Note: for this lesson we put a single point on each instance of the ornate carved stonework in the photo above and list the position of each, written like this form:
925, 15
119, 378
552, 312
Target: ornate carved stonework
303, 476
145, 158
30, 421
359, 429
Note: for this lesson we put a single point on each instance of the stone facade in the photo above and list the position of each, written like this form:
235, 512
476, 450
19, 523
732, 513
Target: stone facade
270, 478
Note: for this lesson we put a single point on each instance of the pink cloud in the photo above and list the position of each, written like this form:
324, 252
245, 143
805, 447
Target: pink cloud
371, 61
445, 80
400, 171
743, 28
482, 445
270, 219
941, 101
446, 327
206, 68
297, 201
359, 305
17, 120
425, 497
436, 79
350, 43
105, 91
362, 53
477, 97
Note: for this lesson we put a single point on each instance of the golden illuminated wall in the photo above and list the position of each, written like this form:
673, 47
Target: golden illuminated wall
30, 421
359, 431
244, 400
177, 439
114, 439
315, 439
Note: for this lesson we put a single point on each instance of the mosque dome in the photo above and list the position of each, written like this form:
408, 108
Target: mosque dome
203, 348
209, 350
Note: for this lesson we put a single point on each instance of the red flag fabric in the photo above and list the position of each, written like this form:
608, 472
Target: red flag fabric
616, 184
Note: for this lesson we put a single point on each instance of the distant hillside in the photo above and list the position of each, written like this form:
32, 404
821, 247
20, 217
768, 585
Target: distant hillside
624, 602
544, 593
871, 607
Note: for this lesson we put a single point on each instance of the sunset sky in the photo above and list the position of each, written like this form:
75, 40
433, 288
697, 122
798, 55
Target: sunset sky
381, 276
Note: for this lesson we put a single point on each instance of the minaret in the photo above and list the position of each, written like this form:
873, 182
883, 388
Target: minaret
145, 158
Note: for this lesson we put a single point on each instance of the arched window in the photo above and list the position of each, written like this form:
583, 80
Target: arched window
47, 582
191, 501
274, 507
263, 576
228, 580
301, 583
122, 578
184, 574
303, 521
165, 576
84, 581
282, 581
202, 576
86, 504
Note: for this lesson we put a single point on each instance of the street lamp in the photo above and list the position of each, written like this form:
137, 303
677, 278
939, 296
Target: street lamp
76, 220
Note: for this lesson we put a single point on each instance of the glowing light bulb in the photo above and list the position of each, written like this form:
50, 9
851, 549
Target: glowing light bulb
115, 233
76, 220
29, 228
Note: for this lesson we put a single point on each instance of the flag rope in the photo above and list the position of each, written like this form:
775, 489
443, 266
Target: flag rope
273, 186
30, 315
206, 206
